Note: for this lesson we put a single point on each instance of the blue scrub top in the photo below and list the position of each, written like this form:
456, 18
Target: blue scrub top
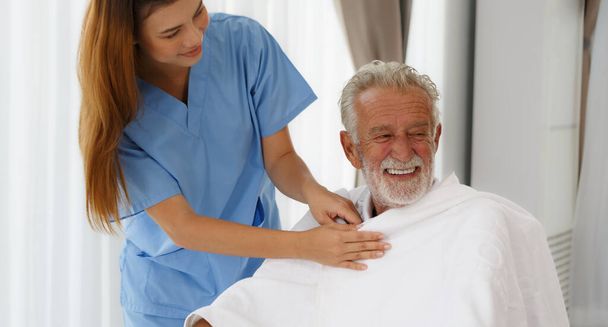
243, 89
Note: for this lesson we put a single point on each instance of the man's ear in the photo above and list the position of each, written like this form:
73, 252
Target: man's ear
437, 136
350, 149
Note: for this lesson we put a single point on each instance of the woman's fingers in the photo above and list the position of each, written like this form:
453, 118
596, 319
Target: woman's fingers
341, 245
366, 247
361, 236
349, 259
327, 206
363, 255
352, 265
348, 212
342, 227
360, 241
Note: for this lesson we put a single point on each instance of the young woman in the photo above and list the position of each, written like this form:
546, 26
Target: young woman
184, 135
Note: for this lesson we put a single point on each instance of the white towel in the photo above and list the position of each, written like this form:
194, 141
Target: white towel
459, 257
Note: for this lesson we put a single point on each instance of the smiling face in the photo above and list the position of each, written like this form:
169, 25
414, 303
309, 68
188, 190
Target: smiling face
172, 34
397, 144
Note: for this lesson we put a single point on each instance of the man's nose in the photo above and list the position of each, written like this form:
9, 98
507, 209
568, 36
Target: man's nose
401, 149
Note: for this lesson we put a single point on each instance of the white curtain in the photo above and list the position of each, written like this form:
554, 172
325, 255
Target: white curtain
55, 271
312, 36
589, 287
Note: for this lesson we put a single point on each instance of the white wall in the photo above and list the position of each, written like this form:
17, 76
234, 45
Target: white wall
526, 100
4, 192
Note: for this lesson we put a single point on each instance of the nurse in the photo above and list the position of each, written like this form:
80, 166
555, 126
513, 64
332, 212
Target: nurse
184, 136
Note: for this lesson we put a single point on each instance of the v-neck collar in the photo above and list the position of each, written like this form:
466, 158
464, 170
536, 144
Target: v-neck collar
187, 115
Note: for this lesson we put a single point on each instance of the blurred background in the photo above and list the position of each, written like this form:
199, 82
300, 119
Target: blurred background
524, 105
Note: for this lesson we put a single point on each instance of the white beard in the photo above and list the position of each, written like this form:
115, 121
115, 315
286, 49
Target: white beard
392, 194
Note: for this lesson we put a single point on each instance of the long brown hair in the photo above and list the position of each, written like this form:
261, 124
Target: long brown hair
107, 74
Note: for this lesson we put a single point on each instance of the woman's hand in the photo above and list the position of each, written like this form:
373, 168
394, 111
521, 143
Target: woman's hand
340, 245
326, 206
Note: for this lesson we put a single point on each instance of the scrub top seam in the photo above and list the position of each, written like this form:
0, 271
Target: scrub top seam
180, 126
138, 206
156, 311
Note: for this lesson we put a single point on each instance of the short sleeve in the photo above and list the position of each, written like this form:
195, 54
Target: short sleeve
147, 182
278, 90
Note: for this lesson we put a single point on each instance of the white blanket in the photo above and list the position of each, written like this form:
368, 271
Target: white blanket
459, 257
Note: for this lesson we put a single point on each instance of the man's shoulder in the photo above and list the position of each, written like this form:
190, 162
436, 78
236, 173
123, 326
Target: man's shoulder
492, 212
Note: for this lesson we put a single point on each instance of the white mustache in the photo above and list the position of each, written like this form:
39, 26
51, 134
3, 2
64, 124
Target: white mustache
392, 163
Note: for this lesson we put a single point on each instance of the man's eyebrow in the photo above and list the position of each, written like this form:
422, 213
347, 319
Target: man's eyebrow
378, 129
421, 124
200, 5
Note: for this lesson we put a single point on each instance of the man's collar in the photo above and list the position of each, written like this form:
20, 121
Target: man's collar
364, 205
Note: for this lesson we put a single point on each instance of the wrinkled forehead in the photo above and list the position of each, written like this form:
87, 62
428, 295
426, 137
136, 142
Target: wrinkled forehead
389, 104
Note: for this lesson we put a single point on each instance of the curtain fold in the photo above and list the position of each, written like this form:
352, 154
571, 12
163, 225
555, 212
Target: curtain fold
589, 285
376, 29
591, 11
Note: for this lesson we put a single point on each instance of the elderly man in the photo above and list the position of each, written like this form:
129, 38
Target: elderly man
459, 257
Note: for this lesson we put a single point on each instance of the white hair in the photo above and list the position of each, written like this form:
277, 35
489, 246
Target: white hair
385, 75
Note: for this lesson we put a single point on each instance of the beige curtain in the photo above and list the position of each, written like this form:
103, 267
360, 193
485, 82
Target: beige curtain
376, 29
591, 11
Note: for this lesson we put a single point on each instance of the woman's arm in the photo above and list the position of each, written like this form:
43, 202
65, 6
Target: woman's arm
331, 244
291, 176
